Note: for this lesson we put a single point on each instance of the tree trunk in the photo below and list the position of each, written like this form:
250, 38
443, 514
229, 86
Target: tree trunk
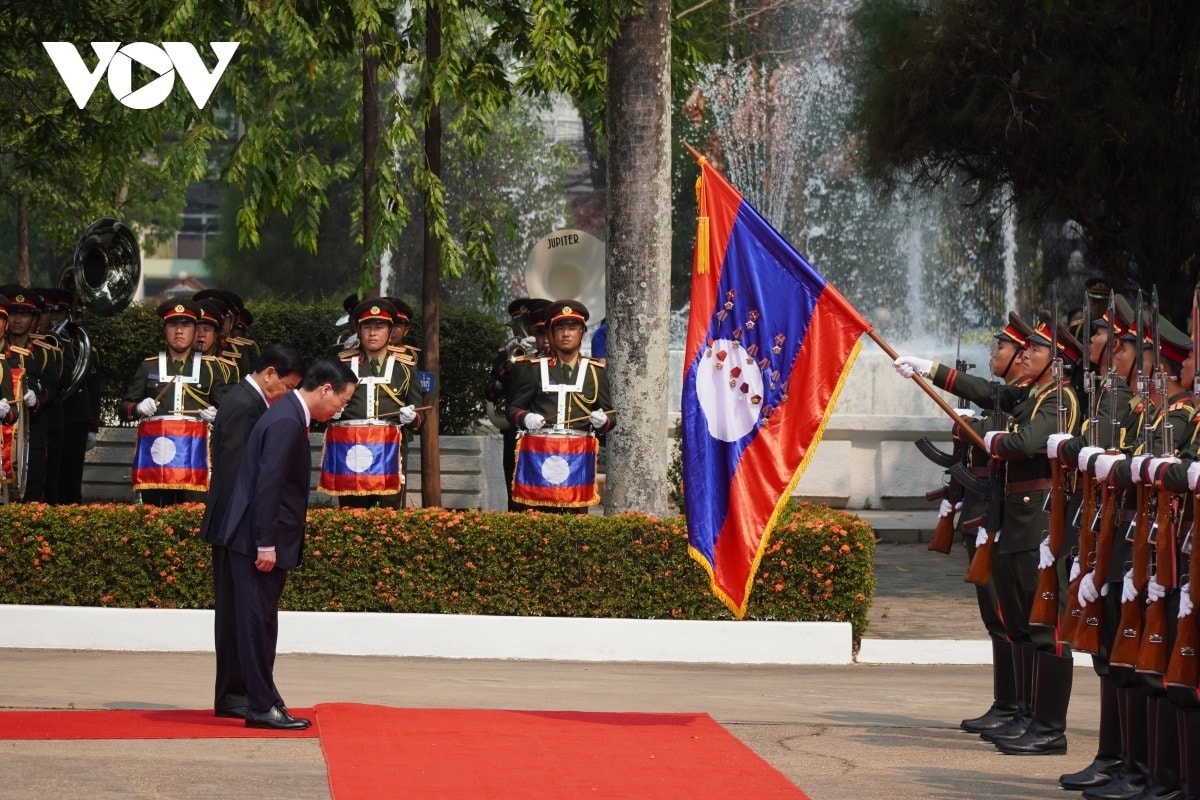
638, 253
370, 143
22, 241
431, 282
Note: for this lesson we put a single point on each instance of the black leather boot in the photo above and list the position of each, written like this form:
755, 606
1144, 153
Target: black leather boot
1023, 668
1163, 751
1052, 694
1132, 779
1189, 750
1107, 763
1004, 692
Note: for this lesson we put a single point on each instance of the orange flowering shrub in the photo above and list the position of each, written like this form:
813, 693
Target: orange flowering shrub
817, 564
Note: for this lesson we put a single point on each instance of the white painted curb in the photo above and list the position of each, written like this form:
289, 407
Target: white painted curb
440, 636
935, 651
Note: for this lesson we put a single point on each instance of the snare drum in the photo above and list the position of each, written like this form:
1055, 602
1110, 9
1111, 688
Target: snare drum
171, 453
361, 457
556, 467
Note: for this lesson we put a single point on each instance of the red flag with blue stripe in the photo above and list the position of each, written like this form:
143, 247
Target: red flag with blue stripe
361, 459
769, 344
556, 470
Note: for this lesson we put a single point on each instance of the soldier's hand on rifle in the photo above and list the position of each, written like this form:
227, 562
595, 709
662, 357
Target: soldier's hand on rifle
946, 508
1045, 556
1185, 600
1136, 465
1103, 464
907, 366
534, 421
1055, 442
1088, 593
1074, 570
981, 537
965, 413
1128, 590
147, 407
1085, 458
1155, 591
1193, 474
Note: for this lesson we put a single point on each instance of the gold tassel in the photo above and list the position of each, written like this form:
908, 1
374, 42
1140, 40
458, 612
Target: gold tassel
701, 231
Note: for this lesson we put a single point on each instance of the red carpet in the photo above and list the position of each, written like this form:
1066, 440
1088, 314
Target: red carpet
373, 752
169, 724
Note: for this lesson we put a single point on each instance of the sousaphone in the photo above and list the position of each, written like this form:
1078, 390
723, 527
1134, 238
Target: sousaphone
568, 265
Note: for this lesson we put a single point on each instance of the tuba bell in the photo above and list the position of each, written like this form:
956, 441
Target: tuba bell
104, 275
568, 265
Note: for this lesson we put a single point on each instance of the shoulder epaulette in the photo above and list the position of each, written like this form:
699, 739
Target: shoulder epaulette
346, 355
229, 362
241, 340
21, 351
45, 342
599, 362
229, 354
151, 358
403, 349
1181, 404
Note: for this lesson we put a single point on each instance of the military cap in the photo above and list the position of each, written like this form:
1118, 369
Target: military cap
519, 307
349, 302
22, 299
3, 306
379, 309
1123, 326
211, 311
565, 311
1173, 344
404, 311
1098, 288
180, 309
227, 301
1016, 331
51, 301
244, 319
1068, 346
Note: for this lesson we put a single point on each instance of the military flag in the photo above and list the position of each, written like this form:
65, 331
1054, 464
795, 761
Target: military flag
769, 345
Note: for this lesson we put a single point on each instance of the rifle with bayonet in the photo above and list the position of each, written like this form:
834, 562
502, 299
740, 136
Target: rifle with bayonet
1044, 610
1183, 667
1088, 633
1130, 629
943, 534
1086, 517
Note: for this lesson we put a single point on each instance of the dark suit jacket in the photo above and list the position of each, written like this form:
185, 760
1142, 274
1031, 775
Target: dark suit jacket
240, 409
270, 499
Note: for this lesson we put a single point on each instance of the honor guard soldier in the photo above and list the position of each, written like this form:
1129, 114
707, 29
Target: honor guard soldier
64, 364
1020, 474
41, 365
387, 391
179, 382
520, 348
560, 403
208, 331
234, 333
81, 405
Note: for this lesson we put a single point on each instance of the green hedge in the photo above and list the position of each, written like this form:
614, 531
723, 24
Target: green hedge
818, 565
469, 341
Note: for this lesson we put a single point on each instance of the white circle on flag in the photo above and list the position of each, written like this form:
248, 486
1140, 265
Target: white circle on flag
162, 450
729, 386
359, 458
555, 470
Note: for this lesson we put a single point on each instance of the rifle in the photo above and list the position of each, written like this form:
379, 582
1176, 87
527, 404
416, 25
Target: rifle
1155, 646
943, 533
1044, 610
1088, 518
1087, 633
979, 572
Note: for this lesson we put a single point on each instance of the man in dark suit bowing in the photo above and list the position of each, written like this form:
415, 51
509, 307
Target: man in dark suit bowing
264, 527
278, 370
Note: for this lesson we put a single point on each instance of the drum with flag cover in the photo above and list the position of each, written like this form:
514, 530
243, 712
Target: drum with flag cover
556, 467
361, 457
171, 453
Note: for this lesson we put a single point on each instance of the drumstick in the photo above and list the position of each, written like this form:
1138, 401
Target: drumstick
397, 413
582, 419
158, 397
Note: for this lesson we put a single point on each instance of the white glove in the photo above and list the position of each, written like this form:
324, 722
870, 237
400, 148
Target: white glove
208, 414
534, 422
406, 414
1055, 442
4, 407
1074, 570
1128, 590
1045, 557
965, 413
1087, 589
30, 399
996, 538
147, 407
529, 344
946, 509
1135, 466
981, 537
1185, 600
1156, 465
990, 437
1155, 591
1104, 464
1193, 473
598, 419
91, 442
1085, 455
907, 366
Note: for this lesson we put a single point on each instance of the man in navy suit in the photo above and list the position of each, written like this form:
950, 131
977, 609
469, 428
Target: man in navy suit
277, 371
264, 527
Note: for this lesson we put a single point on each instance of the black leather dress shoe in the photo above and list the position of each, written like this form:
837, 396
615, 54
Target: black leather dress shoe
277, 718
1098, 773
234, 712
1125, 786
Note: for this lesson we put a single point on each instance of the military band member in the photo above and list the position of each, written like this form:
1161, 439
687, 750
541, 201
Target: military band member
8, 406
563, 389
81, 410
41, 362
186, 381
208, 330
387, 386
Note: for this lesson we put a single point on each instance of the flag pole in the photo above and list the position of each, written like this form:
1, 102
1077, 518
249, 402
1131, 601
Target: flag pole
967, 430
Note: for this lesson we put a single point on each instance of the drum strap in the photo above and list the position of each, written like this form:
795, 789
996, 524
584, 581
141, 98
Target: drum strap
371, 382
562, 390
179, 380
